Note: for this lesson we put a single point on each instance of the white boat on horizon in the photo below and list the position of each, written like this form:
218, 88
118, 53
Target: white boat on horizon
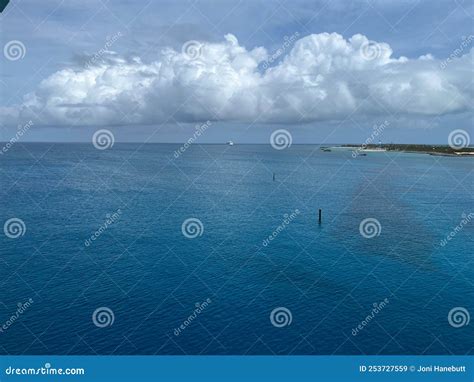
230, 143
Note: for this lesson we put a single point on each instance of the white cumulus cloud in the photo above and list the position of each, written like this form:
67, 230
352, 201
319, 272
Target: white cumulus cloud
320, 77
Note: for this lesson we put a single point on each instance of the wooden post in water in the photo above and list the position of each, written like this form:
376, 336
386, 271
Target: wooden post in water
273, 176
320, 215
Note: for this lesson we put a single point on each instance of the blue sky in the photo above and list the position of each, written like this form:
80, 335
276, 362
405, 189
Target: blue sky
80, 36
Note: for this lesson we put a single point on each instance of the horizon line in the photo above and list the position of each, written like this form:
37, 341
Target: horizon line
243, 143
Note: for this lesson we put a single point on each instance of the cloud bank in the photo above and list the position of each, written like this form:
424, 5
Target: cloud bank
320, 77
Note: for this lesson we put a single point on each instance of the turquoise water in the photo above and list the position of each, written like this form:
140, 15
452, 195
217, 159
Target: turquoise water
151, 276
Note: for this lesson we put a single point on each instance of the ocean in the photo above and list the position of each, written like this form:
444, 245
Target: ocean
138, 249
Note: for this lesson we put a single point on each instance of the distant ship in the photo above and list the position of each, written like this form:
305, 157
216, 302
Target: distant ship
230, 143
